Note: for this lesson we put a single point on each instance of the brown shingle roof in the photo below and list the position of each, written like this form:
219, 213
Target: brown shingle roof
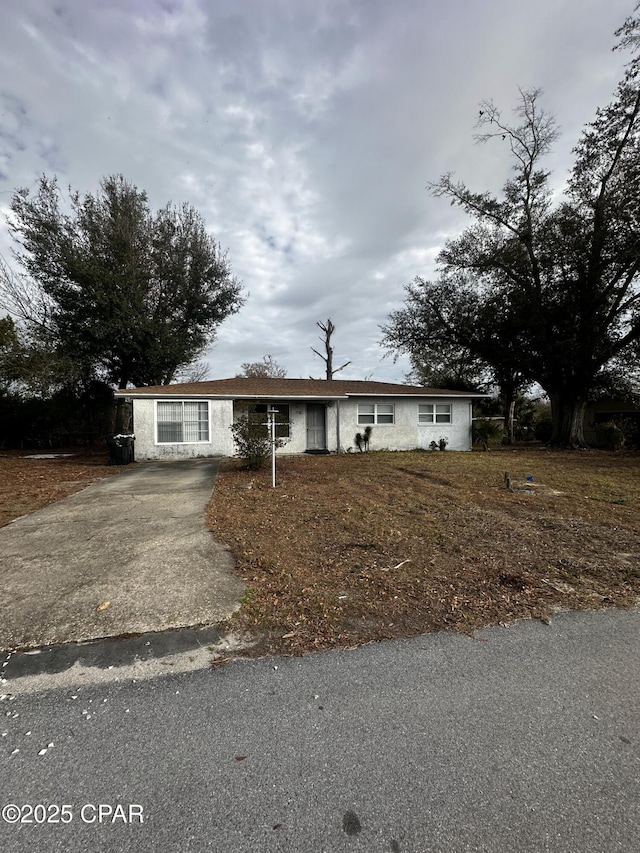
293, 388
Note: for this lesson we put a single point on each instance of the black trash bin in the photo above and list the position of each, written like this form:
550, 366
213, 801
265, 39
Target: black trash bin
120, 449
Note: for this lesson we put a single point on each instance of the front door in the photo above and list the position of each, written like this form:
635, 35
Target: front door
316, 432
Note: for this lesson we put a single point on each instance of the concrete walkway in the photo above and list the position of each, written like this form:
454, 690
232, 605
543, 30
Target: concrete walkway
137, 541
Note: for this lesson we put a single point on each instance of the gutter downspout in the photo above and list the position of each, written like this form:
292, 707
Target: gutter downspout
338, 426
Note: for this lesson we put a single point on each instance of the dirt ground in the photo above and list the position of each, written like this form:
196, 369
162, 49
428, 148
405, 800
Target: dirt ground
28, 483
360, 547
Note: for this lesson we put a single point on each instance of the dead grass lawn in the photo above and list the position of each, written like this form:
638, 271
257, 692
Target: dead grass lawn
29, 484
360, 547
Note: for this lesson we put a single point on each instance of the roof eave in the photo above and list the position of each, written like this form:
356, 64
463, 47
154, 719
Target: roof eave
452, 394
299, 397
205, 396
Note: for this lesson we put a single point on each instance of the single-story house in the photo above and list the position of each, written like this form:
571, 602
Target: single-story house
316, 415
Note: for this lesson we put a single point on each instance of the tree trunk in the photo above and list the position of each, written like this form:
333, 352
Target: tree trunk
328, 328
124, 411
123, 416
567, 413
510, 424
509, 414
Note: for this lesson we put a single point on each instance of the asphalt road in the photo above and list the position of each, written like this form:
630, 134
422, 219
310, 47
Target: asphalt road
525, 738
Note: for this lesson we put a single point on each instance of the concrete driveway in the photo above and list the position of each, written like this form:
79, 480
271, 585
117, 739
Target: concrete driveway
137, 541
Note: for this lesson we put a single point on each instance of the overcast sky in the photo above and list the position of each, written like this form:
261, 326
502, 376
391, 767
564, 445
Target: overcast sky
304, 131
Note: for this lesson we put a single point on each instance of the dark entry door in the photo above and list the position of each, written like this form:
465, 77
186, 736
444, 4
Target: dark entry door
316, 431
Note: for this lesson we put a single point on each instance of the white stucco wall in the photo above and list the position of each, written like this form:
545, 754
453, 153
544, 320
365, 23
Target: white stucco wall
297, 441
405, 434
144, 427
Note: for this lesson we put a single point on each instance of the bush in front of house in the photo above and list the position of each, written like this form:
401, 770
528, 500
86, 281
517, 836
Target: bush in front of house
362, 439
440, 444
251, 438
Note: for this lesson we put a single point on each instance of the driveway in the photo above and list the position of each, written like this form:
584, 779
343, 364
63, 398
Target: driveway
127, 555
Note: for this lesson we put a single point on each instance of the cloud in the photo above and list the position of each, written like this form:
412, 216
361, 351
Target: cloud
305, 133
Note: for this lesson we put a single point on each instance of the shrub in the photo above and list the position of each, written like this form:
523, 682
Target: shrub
486, 432
362, 439
609, 436
543, 427
629, 426
440, 444
251, 438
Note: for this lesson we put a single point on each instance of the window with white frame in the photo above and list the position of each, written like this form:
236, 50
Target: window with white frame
376, 413
434, 413
182, 422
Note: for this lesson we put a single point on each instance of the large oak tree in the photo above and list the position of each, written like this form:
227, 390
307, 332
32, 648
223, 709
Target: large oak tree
546, 287
131, 295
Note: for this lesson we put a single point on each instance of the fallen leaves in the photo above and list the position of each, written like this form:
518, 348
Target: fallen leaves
431, 541
559, 586
30, 484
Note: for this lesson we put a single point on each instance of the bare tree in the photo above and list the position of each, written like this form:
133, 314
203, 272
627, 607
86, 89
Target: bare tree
197, 371
328, 328
268, 368
21, 296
